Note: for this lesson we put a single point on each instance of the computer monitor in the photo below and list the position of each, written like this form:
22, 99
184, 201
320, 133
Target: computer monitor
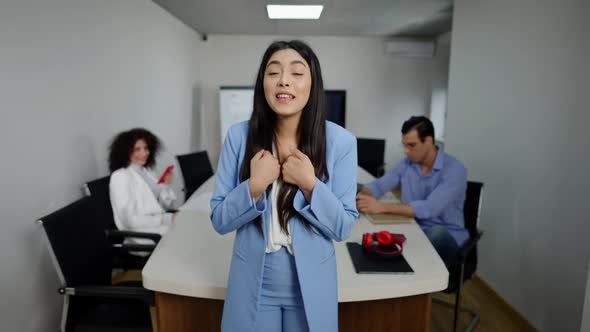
336, 106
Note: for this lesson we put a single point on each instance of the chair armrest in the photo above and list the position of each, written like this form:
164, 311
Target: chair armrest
128, 247
466, 248
115, 234
121, 292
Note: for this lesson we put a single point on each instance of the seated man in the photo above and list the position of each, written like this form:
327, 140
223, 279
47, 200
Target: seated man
433, 186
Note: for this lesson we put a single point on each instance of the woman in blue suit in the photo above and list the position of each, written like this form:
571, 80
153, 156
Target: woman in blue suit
286, 182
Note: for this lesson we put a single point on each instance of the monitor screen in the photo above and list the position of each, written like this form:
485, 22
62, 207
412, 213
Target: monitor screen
336, 106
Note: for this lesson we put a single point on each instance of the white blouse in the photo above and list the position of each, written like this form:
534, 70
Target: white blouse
276, 237
135, 206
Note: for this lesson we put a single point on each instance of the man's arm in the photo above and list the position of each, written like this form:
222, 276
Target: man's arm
369, 204
366, 191
387, 182
399, 209
453, 184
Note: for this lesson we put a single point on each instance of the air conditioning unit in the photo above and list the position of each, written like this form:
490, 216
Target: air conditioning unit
411, 48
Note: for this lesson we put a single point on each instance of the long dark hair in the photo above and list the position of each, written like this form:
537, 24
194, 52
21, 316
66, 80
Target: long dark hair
122, 146
311, 129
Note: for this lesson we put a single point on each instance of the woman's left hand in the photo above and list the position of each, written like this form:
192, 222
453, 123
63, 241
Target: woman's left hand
299, 171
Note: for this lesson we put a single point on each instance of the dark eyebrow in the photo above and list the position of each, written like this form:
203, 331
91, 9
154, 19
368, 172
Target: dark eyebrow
298, 62
276, 62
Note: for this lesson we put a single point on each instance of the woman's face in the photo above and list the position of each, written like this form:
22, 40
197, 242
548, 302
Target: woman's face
287, 83
140, 153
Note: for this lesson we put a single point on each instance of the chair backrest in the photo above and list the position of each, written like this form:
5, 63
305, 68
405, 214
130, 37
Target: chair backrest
472, 207
78, 244
371, 155
471, 212
196, 169
99, 190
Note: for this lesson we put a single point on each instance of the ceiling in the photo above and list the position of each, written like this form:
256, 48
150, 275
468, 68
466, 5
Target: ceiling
411, 18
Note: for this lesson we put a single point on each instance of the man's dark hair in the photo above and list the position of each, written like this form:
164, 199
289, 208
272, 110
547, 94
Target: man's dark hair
423, 126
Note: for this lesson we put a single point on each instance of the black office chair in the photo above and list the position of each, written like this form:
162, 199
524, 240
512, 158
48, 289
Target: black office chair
196, 169
467, 255
371, 155
99, 190
82, 257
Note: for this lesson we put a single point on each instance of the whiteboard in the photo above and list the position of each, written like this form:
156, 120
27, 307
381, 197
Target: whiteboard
235, 105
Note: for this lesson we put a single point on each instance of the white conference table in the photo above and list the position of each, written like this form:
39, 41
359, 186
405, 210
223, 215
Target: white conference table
189, 269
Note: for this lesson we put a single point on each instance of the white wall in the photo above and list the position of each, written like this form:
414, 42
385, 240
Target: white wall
73, 73
381, 91
439, 86
518, 117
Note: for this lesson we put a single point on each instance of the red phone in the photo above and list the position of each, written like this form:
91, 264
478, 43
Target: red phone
166, 171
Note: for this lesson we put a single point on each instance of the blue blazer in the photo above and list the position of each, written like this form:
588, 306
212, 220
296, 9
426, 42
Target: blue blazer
332, 214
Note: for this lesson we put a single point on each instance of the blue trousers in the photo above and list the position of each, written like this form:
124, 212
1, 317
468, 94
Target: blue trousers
444, 244
280, 307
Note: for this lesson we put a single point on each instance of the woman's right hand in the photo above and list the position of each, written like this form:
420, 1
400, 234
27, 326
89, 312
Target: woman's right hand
169, 177
264, 170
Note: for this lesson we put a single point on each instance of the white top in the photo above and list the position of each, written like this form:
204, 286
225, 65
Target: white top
135, 207
276, 237
193, 260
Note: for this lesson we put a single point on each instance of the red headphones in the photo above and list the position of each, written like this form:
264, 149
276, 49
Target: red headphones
384, 244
